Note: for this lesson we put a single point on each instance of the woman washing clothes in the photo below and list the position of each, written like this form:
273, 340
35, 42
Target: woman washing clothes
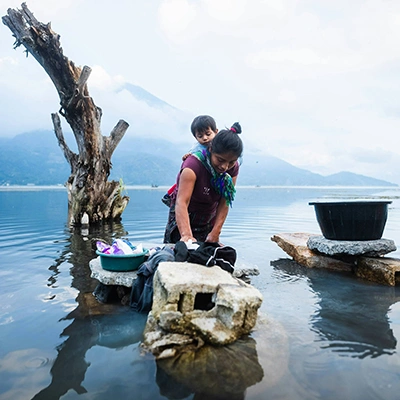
205, 190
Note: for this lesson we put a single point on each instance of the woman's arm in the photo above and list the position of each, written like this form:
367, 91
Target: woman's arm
222, 213
187, 181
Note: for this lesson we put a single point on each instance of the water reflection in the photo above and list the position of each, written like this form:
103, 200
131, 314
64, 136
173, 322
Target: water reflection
295, 363
211, 372
207, 372
92, 323
79, 250
109, 330
352, 318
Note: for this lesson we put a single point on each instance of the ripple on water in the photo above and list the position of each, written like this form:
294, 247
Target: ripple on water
36, 362
356, 349
283, 277
31, 358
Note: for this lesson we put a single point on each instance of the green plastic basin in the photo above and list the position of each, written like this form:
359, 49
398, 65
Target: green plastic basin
121, 262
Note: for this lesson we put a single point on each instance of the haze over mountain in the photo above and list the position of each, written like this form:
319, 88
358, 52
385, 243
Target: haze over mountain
151, 155
35, 158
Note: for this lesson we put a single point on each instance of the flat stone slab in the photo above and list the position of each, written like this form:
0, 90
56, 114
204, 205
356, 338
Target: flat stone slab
126, 278
111, 277
383, 270
371, 248
295, 245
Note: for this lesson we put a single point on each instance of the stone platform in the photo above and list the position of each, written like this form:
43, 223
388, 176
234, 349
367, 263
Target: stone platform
384, 270
126, 278
194, 302
369, 248
109, 277
295, 245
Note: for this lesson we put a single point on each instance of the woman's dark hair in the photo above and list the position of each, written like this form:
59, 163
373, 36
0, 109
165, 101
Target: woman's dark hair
202, 123
228, 141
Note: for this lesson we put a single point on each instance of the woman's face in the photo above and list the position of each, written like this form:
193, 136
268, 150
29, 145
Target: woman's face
223, 162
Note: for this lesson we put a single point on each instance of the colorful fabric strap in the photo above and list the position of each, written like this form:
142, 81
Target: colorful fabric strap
222, 183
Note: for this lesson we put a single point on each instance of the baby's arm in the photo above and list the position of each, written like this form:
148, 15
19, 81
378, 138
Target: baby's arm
195, 147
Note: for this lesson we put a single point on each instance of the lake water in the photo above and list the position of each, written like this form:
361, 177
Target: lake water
324, 335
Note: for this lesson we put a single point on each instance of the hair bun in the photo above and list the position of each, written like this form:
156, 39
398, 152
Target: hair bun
236, 128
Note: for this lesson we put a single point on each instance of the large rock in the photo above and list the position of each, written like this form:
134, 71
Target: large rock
384, 270
207, 373
212, 372
295, 244
371, 248
205, 302
126, 278
111, 277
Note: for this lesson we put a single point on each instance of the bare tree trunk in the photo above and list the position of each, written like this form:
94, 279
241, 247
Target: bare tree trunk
91, 197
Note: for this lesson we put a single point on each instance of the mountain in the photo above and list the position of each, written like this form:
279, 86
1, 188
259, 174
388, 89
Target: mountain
143, 95
32, 158
269, 170
148, 158
346, 178
35, 158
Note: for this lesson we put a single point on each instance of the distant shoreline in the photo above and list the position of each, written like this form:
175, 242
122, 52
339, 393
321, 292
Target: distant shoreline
5, 188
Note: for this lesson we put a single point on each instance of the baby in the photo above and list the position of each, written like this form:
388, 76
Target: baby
203, 129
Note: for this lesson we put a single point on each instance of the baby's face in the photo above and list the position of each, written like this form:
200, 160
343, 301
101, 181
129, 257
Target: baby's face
206, 136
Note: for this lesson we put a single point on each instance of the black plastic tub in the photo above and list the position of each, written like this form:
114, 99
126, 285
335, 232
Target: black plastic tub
351, 220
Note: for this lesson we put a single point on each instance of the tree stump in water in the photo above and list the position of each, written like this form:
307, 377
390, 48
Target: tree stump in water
91, 197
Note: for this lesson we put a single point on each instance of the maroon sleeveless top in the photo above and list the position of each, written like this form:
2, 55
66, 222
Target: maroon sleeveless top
204, 201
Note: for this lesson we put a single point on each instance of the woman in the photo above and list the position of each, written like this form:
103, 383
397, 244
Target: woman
205, 189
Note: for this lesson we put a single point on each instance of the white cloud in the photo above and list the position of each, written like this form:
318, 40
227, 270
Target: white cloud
100, 79
226, 10
315, 83
7, 61
110, 94
28, 97
176, 16
303, 56
287, 96
43, 10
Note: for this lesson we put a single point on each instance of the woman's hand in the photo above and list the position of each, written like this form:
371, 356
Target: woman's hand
213, 238
186, 238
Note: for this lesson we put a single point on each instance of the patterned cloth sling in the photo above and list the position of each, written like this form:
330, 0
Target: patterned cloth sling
222, 183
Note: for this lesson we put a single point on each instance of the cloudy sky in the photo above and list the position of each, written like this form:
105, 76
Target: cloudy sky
313, 82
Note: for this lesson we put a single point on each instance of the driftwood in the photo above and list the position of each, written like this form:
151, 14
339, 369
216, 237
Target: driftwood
90, 195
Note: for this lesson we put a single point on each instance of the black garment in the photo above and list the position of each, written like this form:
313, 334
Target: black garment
142, 289
172, 234
208, 254
181, 251
201, 225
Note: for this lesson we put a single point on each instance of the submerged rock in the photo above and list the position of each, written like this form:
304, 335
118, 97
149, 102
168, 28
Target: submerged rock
226, 371
194, 305
354, 257
253, 363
